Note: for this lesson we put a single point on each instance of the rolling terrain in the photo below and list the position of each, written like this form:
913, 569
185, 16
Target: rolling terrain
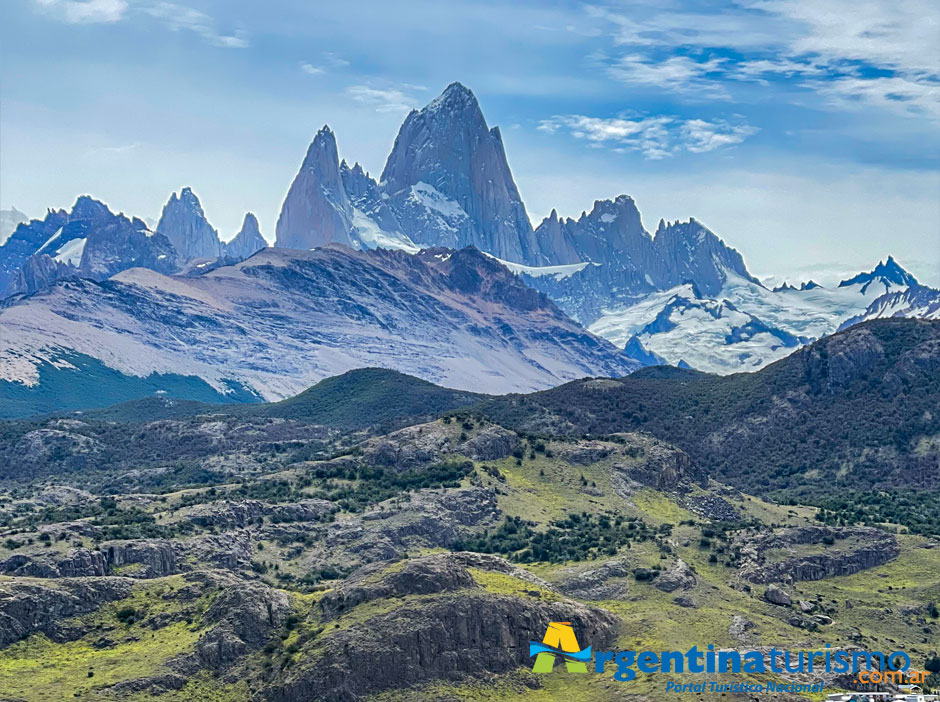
379, 538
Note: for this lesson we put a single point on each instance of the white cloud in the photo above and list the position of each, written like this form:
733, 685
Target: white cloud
383, 100
312, 70
181, 18
677, 73
895, 93
700, 136
85, 11
654, 137
877, 53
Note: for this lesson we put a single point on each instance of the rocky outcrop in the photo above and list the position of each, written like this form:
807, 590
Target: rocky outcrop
436, 518
227, 514
231, 551
835, 363
29, 606
662, 467
453, 630
152, 558
300, 511
242, 618
712, 507
585, 453
185, 225
76, 562
870, 548
607, 581
490, 444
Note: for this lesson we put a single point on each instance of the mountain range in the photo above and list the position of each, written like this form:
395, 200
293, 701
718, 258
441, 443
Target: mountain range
678, 295
272, 325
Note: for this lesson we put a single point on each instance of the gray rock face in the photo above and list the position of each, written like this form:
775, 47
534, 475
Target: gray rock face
607, 581
842, 359
185, 225
455, 630
247, 241
873, 548
231, 551
243, 616
664, 467
154, 558
316, 210
490, 444
76, 562
27, 607
449, 184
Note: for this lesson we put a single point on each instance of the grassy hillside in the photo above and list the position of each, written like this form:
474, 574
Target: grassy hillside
854, 411
357, 399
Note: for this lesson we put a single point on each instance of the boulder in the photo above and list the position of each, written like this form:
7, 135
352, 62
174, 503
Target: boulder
775, 595
679, 576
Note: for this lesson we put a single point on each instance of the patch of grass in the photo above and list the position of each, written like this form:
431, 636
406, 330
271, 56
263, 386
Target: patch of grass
504, 584
38, 669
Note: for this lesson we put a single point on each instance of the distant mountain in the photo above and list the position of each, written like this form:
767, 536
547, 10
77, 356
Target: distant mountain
743, 326
280, 321
9, 219
185, 225
247, 241
449, 184
330, 203
916, 301
680, 294
629, 263
89, 241
887, 274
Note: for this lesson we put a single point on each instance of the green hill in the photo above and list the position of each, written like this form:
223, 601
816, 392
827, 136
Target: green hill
854, 411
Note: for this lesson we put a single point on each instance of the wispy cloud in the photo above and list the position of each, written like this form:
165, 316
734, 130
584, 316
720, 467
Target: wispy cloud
181, 18
872, 53
699, 136
334, 60
383, 100
328, 61
677, 73
84, 11
655, 137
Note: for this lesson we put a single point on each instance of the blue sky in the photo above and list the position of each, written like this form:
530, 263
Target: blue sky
806, 134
